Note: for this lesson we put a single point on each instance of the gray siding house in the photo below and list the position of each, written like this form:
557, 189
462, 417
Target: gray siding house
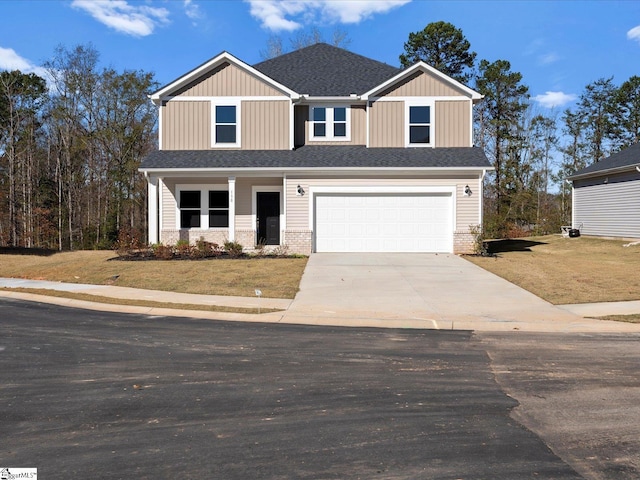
606, 196
321, 150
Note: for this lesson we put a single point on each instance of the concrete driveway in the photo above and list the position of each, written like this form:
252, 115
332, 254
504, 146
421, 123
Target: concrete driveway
421, 290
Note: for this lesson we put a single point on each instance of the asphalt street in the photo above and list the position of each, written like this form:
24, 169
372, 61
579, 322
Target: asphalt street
88, 394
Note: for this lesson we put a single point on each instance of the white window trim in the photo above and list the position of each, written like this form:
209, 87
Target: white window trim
204, 205
329, 123
224, 102
432, 115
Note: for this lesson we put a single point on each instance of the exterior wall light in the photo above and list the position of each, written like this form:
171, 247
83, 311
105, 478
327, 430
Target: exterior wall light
467, 191
300, 191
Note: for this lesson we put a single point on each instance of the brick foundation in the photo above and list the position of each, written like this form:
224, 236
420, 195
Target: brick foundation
463, 242
298, 241
246, 238
171, 237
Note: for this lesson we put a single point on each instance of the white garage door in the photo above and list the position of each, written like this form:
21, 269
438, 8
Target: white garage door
384, 223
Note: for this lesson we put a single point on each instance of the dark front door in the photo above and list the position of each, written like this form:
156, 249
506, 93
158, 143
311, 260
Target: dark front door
268, 213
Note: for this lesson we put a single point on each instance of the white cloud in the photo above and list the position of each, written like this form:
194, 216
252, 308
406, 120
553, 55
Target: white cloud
548, 58
634, 33
554, 99
138, 21
10, 60
192, 10
290, 15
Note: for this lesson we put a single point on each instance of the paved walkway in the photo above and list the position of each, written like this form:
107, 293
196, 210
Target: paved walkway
375, 290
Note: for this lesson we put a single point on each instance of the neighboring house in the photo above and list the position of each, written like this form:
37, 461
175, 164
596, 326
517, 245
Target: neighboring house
606, 196
319, 149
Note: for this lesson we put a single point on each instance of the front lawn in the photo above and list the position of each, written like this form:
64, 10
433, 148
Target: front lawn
276, 277
567, 270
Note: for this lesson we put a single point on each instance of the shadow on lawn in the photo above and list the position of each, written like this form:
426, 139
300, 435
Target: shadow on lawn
511, 245
40, 252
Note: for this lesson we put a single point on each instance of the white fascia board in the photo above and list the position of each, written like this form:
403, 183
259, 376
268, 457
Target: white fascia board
427, 68
307, 99
240, 172
608, 171
210, 65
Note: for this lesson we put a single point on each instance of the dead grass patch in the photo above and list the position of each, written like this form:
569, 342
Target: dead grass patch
634, 318
567, 270
138, 303
276, 277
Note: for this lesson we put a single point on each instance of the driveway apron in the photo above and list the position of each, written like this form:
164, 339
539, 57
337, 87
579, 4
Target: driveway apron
432, 290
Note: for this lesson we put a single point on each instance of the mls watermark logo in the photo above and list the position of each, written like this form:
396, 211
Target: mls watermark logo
18, 473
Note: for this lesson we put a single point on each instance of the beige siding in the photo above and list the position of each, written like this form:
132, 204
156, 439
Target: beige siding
422, 84
186, 125
453, 123
467, 208
386, 123
228, 80
265, 125
168, 205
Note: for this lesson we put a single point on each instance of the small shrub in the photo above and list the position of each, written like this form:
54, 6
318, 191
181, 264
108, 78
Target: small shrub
182, 248
128, 243
260, 249
163, 252
280, 251
204, 249
233, 249
480, 247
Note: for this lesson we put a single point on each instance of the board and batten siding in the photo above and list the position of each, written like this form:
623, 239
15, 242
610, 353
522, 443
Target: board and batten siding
228, 80
186, 125
467, 207
386, 124
453, 123
422, 84
265, 125
610, 209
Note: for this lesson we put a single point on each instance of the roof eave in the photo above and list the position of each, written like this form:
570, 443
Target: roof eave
312, 170
209, 65
606, 171
473, 95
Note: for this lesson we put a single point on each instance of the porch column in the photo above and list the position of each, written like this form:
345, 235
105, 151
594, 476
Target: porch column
232, 209
152, 199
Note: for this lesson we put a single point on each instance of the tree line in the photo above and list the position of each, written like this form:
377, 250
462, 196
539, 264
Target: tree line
531, 150
70, 147
71, 144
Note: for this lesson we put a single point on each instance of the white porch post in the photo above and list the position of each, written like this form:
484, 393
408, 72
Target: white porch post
152, 198
232, 209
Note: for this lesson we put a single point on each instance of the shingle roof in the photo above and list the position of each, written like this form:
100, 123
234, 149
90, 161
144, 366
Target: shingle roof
628, 157
324, 70
319, 157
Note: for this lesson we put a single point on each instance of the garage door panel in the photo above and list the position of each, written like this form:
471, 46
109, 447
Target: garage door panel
384, 223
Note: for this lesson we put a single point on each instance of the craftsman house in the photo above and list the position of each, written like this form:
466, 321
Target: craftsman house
319, 149
606, 196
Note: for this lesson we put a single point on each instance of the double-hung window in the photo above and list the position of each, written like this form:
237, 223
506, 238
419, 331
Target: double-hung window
203, 208
218, 208
190, 212
419, 125
226, 123
329, 123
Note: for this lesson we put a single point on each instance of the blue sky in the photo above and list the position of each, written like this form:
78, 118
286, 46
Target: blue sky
558, 46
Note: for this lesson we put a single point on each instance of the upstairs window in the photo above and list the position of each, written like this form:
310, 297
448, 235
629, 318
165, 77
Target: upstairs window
419, 125
226, 122
329, 123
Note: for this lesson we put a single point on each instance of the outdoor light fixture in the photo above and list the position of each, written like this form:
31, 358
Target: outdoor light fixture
467, 191
300, 191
